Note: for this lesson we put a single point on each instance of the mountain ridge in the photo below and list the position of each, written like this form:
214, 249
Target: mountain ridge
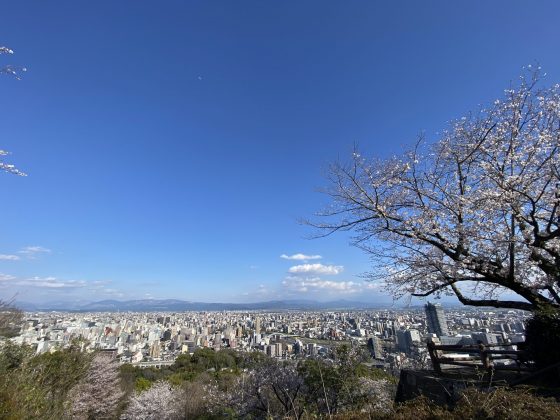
177, 305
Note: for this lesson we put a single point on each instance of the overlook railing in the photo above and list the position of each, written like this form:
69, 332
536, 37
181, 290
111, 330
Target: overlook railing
478, 357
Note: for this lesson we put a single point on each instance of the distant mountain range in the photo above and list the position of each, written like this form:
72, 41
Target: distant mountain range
175, 305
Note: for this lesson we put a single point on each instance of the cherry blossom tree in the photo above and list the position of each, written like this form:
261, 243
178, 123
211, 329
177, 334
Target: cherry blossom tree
272, 389
99, 393
7, 167
160, 401
474, 214
12, 71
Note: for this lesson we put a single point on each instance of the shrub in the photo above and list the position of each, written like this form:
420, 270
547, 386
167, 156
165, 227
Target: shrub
504, 403
37, 386
499, 403
543, 337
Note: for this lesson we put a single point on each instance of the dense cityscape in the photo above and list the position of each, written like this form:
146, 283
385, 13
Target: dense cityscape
394, 338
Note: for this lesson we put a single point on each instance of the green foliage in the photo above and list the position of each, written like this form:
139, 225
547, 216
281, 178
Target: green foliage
59, 370
204, 359
324, 386
142, 384
12, 356
186, 368
543, 337
337, 385
137, 379
250, 360
364, 371
37, 386
183, 361
128, 377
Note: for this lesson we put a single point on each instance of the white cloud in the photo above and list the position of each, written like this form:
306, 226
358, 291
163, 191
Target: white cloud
100, 283
315, 284
262, 290
29, 252
41, 282
316, 269
113, 292
300, 257
310, 284
6, 277
51, 283
259, 292
5, 257
32, 252
99, 287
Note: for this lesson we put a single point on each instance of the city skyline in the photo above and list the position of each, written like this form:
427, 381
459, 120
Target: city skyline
172, 150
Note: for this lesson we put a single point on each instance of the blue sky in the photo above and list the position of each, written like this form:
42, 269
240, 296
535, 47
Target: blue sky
172, 146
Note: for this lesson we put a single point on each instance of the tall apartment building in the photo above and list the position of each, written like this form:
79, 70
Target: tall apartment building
257, 325
375, 348
435, 317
